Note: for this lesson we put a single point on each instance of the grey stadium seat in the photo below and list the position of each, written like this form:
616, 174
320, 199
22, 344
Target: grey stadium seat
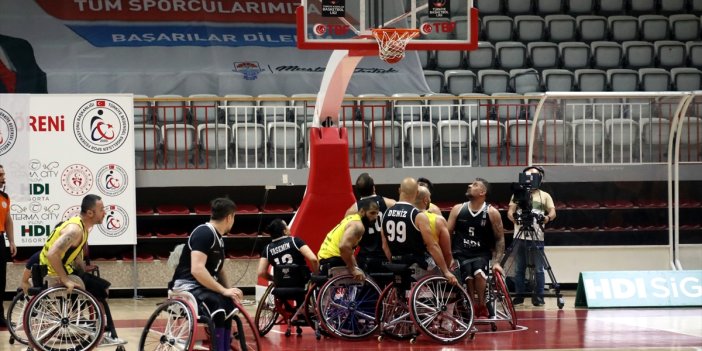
487, 8
622, 28
497, 28
684, 27
686, 78
460, 81
511, 54
653, 27
525, 80
435, 80
518, 7
610, 6
673, 6
591, 80
654, 79
529, 28
574, 55
606, 54
543, 55
670, 53
493, 81
580, 7
547, 7
561, 28
623, 79
592, 28
558, 80
694, 53
482, 57
642, 6
449, 59
638, 54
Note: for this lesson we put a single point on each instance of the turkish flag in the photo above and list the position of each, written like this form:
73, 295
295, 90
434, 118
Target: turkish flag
100, 103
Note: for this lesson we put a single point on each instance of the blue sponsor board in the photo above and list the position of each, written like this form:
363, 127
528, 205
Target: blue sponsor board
639, 289
185, 35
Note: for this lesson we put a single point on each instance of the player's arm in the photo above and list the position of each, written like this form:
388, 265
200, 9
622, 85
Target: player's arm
435, 210
351, 210
422, 223
263, 269
551, 212
352, 235
444, 240
10, 231
70, 236
386, 248
499, 233
512, 208
453, 215
389, 202
311, 258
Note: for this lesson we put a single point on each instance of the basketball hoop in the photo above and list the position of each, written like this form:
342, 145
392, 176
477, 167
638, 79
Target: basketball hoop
392, 42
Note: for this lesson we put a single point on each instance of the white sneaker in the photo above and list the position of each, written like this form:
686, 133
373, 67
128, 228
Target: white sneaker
108, 340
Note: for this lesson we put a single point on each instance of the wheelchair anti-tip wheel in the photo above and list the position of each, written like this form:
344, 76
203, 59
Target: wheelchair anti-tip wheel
244, 332
442, 311
266, 313
15, 322
170, 327
393, 316
55, 320
346, 307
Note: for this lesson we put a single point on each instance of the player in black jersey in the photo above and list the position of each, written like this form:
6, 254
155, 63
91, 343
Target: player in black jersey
407, 236
370, 255
477, 237
284, 249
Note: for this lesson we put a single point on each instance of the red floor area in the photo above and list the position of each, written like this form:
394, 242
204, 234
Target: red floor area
575, 329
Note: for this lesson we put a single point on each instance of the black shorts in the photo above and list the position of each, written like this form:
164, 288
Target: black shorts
326, 263
216, 303
94, 284
474, 265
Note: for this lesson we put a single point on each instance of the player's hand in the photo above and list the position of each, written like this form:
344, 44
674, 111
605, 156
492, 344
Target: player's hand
69, 284
451, 278
13, 249
25, 288
498, 267
235, 293
358, 274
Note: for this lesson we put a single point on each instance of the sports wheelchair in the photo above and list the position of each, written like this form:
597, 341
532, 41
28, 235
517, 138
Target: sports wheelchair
498, 302
174, 325
421, 302
333, 305
54, 320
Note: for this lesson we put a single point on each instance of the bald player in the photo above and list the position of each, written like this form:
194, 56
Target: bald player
428, 184
438, 224
407, 236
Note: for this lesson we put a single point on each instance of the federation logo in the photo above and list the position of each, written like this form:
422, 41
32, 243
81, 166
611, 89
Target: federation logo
101, 126
116, 221
71, 212
8, 132
76, 179
111, 180
250, 69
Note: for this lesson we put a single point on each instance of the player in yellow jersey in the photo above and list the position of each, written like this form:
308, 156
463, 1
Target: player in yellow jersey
437, 224
431, 208
338, 246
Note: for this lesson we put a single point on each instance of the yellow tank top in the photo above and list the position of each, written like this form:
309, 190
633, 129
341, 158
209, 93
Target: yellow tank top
70, 255
330, 245
432, 225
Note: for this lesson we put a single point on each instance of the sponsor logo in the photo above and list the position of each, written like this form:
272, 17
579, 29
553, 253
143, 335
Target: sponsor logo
250, 69
35, 230
101, 126
111, 180
116, 221
76, 179
47, 123
322, 69
39, 172
8, 132
71, 212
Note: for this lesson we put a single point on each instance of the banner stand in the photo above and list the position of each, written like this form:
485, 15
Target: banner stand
135, 274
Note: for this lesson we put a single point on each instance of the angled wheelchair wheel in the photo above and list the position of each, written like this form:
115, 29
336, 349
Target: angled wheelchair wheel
15, 322
504, 310
346, 307
441, 311
392, 315
170, 327
55, 320
266, 313
244, 332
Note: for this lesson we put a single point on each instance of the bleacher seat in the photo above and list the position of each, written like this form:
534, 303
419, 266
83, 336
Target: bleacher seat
449, 59
489, 7
558, 80
574, 55
643, 6
440, 110
409, 109
655, 134
284, 144
493, 81
580, 7
170, 111
474, 106
694, 53
622, 137
454, 141
426, 58
518, 7
684, 27
460, 81
420, 137
654, 79
686, 78
638, 54
172, 209
623, 79
547, 7
653, 27
696, 6
518, 134
529, 28
507, 106
248, 144
673, 6
373, 110
142, 110
670, 54
147, 146
592, 28
240, 111
511, 54
303, 107
272, 107
277, 208
575, 109
497, 28
606, 108
179, 140
690, 135
489, 136
435, 80
525, 80
357, 136
561, 28
205, 109
214, 142
623, 28
386, 141
543, 55
554, 136
483, 57
588, 138
606, 54
611, 6
591, 80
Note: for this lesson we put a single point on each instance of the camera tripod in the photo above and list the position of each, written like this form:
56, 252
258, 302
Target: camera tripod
529, 238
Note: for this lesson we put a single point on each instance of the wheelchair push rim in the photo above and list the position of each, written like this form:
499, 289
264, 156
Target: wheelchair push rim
15, 318
266, 313
393, 316
171, 326
244, 332
346, 307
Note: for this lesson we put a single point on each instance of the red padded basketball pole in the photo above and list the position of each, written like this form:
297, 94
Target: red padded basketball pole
329, 192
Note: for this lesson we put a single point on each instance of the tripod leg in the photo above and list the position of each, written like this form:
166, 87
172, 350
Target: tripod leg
554, 283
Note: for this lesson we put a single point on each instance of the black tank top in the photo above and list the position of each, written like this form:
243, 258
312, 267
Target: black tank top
473, 235
284, 250
371, 244
401, 232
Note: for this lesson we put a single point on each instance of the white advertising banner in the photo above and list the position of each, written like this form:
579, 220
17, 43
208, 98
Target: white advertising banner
154, 47
68, 146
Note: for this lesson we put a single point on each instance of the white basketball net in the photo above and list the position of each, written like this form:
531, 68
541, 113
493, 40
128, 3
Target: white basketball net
392, 43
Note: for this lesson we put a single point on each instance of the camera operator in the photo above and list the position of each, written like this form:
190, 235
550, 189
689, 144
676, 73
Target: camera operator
530, 206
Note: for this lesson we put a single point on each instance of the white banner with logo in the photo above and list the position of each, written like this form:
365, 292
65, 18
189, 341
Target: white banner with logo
70, 146
176, 47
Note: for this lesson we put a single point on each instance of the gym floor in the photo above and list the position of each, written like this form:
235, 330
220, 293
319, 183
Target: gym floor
540, 328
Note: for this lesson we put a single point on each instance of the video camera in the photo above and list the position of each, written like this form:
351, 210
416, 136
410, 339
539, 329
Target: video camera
521, 192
